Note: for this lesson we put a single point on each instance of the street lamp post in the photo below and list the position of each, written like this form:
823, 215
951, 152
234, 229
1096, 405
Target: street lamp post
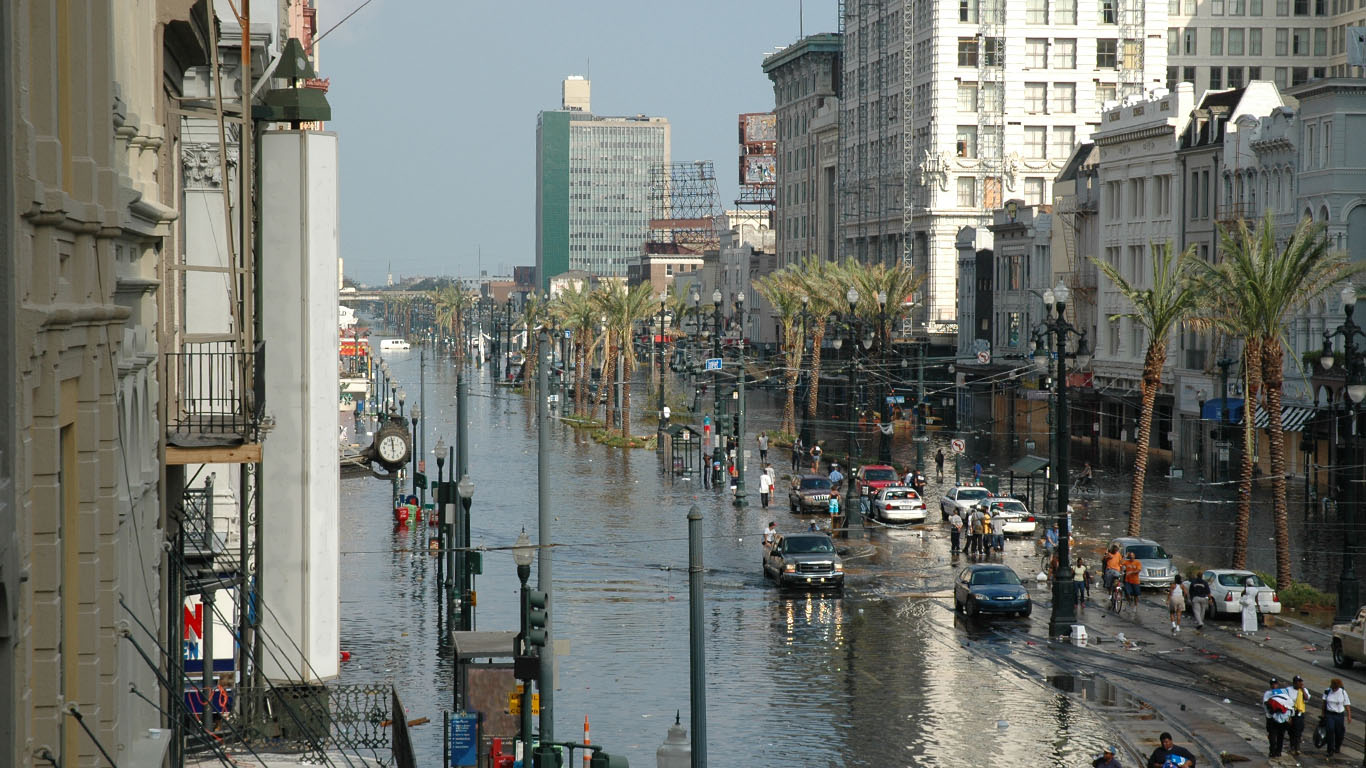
805, 434
522, 554
884, 427
415, 415
441, 520
1064, 613
660, 362
740, 407
1354, 365
718, 452
851, 386
466, 490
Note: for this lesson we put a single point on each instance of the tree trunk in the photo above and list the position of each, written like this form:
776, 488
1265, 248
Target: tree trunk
793, 355
578, 378
1252, 368
627, 365
609, 368
1272, 374
817, 338
1152, 382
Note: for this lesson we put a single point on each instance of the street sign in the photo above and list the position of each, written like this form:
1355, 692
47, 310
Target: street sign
420, 480
896, 399
958, 445
713, 364
984, 357
464, 739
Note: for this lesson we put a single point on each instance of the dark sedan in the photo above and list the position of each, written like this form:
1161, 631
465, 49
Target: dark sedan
990, 588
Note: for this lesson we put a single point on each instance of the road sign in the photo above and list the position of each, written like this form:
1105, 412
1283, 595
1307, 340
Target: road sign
958, 445
515, 702
464, 741
984, 357
896, 399
713, 364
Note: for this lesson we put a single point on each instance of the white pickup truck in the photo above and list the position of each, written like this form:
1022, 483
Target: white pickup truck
1349, 641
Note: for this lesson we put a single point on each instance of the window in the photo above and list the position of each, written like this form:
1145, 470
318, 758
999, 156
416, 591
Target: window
993, 52
967, 97
1299, 42
1216, 78
1237, 7
1033, 190
1138, 198
1282, 41
1190, 44
1065, 53
1235, 42
1254, 73
1065, 11
1107, 56
1320, 42
966, 141
1188, 75
1282, 77
1065, 98
1133, 54
1235, 77
1173, 8
1035, 141
1064, 137
1036, 11
1254, 42
1113, 199
1255, 6
1299, 76
1173, 41
1216, 41
1107, 12
967, 192
967, 11
991, 97
1036, 52
1216, 7
1173, 77
967, 51
1301, 7
1282, 7
1036, 98
1187, 7
1105, 94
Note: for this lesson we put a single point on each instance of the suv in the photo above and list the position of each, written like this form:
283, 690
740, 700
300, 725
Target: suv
874, 477
962, 498
1157, 564
1348, 644
804, 560
809, 493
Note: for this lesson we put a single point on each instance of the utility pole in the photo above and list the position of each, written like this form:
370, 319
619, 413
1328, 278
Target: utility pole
546, 679
697, 649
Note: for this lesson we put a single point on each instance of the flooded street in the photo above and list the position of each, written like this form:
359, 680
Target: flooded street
886, 675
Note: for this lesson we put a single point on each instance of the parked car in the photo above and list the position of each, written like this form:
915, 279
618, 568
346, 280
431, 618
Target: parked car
804, 560
990, 588
1011, 514
961, 498
1226, 592
1157, 564
809, 493
874, 477
1349, 641
899, 504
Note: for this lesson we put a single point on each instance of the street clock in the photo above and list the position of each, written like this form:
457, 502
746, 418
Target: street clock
392, 445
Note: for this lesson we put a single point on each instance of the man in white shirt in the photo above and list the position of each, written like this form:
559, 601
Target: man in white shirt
955, 531
770, 535
765, 488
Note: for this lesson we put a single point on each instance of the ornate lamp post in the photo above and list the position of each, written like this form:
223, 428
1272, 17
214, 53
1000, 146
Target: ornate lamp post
522, 554
884, 427
659, 342
1064, 613
414, 415
441, 520
466, 490
1354, 364
739, 396
718, 452
851, 398
805, 433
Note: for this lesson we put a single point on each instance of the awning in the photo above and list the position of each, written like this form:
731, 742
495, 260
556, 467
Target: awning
485, 644
1028, 465
1293, 417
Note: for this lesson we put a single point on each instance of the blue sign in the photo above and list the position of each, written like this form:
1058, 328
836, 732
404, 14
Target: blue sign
713, 364
465, 739
896, 399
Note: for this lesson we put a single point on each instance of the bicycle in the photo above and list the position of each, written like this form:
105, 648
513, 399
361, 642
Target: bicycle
1117, 596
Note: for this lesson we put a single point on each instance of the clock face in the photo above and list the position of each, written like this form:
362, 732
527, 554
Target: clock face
393, 448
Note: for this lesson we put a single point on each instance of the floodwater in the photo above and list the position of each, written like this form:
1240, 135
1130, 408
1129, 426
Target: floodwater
884, 676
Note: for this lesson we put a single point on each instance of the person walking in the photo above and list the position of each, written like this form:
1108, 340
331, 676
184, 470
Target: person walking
1198, 591
1337, 714
798, 451
974, 532
1301, 697
939, 463
1079, 581
918, 483
836, 476
816, 457
1131, 567
988, 540
955, 531
1169, 755
977, 472
1176, 603
1277, 703
765, 488
763, 447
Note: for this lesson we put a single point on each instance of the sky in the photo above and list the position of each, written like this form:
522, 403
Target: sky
435, 103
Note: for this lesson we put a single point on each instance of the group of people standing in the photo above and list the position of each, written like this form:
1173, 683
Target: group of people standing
983, 533
1285, 707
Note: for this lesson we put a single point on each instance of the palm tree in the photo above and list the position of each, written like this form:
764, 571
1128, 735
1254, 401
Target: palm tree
1276, 284
1159, 310
623, 307
577, 313
788, 305
815, 278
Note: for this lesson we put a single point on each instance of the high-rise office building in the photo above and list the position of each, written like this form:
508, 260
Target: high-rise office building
592, 186
951, 108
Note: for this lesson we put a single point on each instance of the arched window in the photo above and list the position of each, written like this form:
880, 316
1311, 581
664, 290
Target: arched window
1323, 214
1356, 233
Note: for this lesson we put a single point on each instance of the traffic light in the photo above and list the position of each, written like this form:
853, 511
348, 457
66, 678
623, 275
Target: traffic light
537, 616
601, 759
735, 425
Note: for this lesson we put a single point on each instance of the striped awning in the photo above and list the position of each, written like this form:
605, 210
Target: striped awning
1293, 417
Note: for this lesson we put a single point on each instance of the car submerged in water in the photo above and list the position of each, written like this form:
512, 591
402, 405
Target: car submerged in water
804, 560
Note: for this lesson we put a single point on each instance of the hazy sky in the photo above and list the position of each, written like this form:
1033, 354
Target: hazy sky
435, 103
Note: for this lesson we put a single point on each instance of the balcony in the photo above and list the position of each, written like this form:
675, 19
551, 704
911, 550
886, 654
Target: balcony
1232, 213
215, 399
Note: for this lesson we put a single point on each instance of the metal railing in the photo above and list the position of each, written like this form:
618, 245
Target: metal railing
1232, 212
196, 518
215, 392
351, 719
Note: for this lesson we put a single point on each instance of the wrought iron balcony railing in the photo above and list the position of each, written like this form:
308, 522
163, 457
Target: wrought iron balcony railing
215, 393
